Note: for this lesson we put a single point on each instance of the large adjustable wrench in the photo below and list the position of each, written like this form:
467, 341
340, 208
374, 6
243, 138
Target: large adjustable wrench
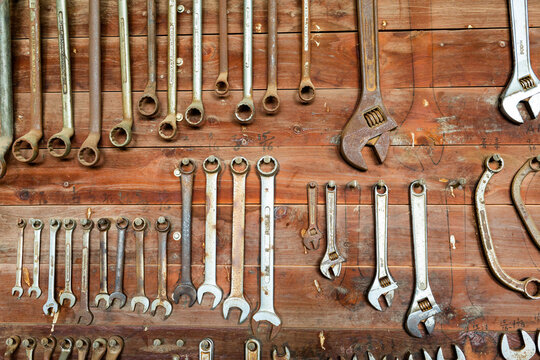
121, 225
332, 258
245, 110
266, 311
17, 289
67, 294
85, 315
270, 101
51, 306
103, 226
306, 90
6, 90
140, 225
148, 104
221, 86
163, 226
370, 123
195, 111
423, 307
37, 225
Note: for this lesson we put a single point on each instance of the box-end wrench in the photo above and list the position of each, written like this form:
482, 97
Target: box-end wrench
29, 345
245, 110
206, 349
184, 285
163, 226
523, 85
103, 226
83, 347
252, 350
6, 88
49, 344
267, 168
65, 348
195, 111
423, 307
51, 306
17, 289
383, 284
332, 258
306, 90
525, 353
12, 343
121, 225
37, 225
370, 123
140, 225
270, 101
99, 348
85, 315
67, 294
115, 344
311, 237
221, 86
212, 167
236, 299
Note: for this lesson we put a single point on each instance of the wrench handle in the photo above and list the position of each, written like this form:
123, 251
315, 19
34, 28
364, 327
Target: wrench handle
519, 24
65, 64
103, 268
381, 228
306, 41
37, 251
312, 203
171, 86
36, 108
120, 251
238, 233
124, 60
187, 193
223, 38
369, 45
419, 231
139, 240
68, 260
151, 43
162, 264
272, 44
267, 243
52, 260
331, 218
197, 50
248, 48
95, 66
20, 246
85, 263
210, 228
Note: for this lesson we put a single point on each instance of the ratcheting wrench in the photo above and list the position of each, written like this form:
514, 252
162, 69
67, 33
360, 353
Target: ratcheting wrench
266, 311
525, 353
21, 223
103, 226
523, 85
37, 225
221, 86
311, 237
423, 307
195, 111
306, 90
49, 344
85, 315
83, 347
12, 343
67, 294
65, 348
121, 224
383, 283
99, 348
114, 347
252, 350
332, 258
236, 299
163, 225
371, 123
148, 104
51, 306
212, 168
270, 101
245, 110
140, 225
29, 345
206, 349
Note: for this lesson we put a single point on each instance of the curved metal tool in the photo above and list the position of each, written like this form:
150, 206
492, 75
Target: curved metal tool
51, 306
83, 347
306, 90
148, 104
99, 348
245, 110
252, 350
332, 258
311, 237
521, 286
85, 315
140, 225
37, 225
221, 86
67, 294
6, 89
206, 349
29, 345
370, 123
286, 355
459, 354
17, 289
195, 111
12, 343
114, 347
163, 226
525, 353
121, 225
103, 226
270, 101
49, 344
65, 348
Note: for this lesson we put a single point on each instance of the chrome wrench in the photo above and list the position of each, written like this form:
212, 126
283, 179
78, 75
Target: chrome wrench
195, 111
6, 85
85, 315
51, 306
67, 294
29, 345
103, 226
525, 353
245, 110
21, 223
121, 224
140, 225
148, 104
37, 225
311, 237
65, 348
163, 226
332, 258
206, 349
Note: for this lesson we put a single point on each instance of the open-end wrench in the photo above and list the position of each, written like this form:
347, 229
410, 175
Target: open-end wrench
30, 140
423, 307
65, 348
383, 283
529, 287
212, 168
459, 354
167, 128
195, 111
6, 89
270, 101
103, 226
99, 348
12, 343
525, 353
236, 299
148, 104
523, 85
121, 225
115, 344
29, 345
286, 354
17, 289
120, 134
370, 123
245, 110
184, 285
49, 344
85, 315
59, 144
252, 350
67, 294
306, 90
140, 225
206, 349
222, 82
163, 227
51, 306
311, 237
83, 347
37, 225
332, 258
266, 311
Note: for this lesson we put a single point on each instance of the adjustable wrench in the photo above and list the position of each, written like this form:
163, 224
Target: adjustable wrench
370, 123
67, 294
121, 224
245, 110
311, 237
195, 111
523, 85
85, 315
114, 347
49, 344
37, 225
252, 350
163, 226
306, 90
184, 285
148, 104
236, 299
266, 311
270, 100
222, 83
65, 348
99, 348
29, 345
6, 88
103, 226
12, 343
383, 283
83, 347
286, 355
206, 349
212, 168
423, 307
332, 258
51, 306
21, 223
140, 225
525, 353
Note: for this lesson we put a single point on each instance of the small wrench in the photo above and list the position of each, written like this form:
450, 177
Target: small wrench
525, 353
85, 315
12, 343
212, 168
67, 294
286, 355
114, 347
37, 225
222, 83
459, 354
423, 307
306, 90
252, 350
29, 345
195, 111
65, 348
103, 226
121, 224
49, 344
206, 349
245, 110
270, 100
311, 237
140, 225
83, 347
51, 306
266, 311
163, 226
99, 348
21, 223
332, 258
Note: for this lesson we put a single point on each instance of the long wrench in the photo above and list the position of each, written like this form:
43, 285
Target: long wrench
184, 285
12, 343
266, 311
222, 82
370, 123
195, 111
163, 227
99, 348
252, 350
67, 294
332, 258
29, 345
245, 110
121, 225
17, 289
51, 306
306, 90
83, 347
236, 299
6, 90
206, 349
270, 101
115, 344
85, 315
423, 307
103, 226
49, 344
140, 225
311, 237
37, 225
212, 168
65, 348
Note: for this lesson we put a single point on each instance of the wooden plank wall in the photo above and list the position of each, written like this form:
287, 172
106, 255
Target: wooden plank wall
443, 65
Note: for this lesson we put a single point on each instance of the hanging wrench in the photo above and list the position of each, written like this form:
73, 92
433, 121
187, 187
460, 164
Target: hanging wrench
21, 223
49, 344
206, 349
332, 258
114, 347
195, 111
212, 168
184, 285
29, 345
252, 350
270, 100
12, 343
306, 90
286, 355
266, 311
459, 354
99, 348
65, 348
83, 347
245, 110
525, 353
37, 225
67, 294
51, 306
148, 104
383, 283
371, 123
163, 226
140, 225
121, 224
236, 299
6, 89
85, 315
103, 226
423, 307
222, 83
311, 237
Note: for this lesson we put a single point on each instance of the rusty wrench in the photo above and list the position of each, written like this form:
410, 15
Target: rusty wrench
29, 345
85, 315
206, 349
286, 354
245, 110
51, 306
121, 224
103, 226
222, 83
195, 111
17, 289
148, 104
49, 344
37, 225
306, 90
99, 348
12, 343
140, 225
67, 294
270, 100
114, 347
6, 90
163, 226
252, 350
332, 258
83, 347
311, 237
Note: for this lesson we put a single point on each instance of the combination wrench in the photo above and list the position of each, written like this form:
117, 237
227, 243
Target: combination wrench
49, 344
37, 225
148, 104
370, 123
252, 350
83, 347
286, 354
140, 225
121, 225
65, 348
195, 111
6, 89
212, 167
221, 86
525, 353
266, 311
17, 289
103, 226
184, 285
270, 100
245, 110
12, 343
51, 306
206, 349
306, 90
383, 284
115, 344
85, 315
236, 299
67, 294
29, 345
163, 227
423, 307
332, 258
311, 237
99, 348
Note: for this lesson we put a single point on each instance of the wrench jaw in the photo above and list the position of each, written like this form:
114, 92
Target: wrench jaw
515, 93
312, 238
236, 302
67, 296
459, 353
164, 304
185, 289
285, 356
268, 317
50, 308
377, 290
19, 290
85, 318
335, 265
211, 289
526, 352
34, 289
122, 298
142, 300
102, 297
422, 309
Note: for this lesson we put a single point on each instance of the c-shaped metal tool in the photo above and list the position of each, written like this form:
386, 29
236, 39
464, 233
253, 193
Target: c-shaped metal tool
6, 90
163, 227
85, 315
525, 353
440, 356
195, 111
17, 289
67, 294
37, 225
140, 225
121, 225
245, 110
332, 258
51, 306
103, 226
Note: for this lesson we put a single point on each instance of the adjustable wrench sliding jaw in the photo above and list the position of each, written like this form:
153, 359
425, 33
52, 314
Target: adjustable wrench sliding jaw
140, 225
17, 289
332, 258
121, 224
51, 306
67, 294
163, 226
37, 225
103, 226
